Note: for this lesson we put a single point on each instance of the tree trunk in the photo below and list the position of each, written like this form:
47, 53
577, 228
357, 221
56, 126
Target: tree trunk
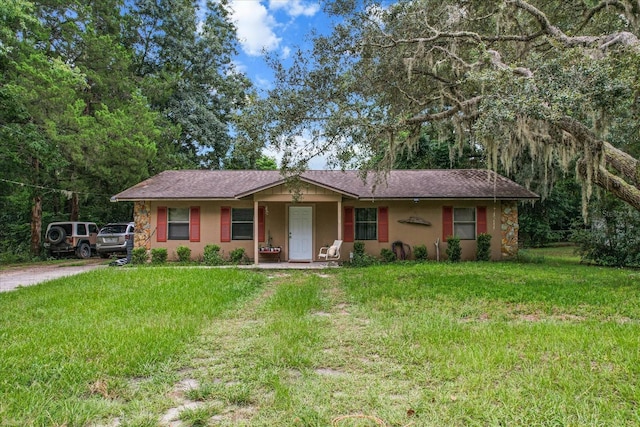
75, 207
36, 226
618, 187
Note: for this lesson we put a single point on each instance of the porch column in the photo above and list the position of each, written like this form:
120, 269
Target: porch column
256, 254
340, 219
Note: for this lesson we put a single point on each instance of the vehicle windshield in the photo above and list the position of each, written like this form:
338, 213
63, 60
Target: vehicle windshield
114, 229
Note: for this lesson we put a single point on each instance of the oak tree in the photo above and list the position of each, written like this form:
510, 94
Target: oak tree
543, 84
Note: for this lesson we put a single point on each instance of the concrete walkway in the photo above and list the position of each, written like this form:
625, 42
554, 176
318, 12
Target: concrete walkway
291, 265
15, 277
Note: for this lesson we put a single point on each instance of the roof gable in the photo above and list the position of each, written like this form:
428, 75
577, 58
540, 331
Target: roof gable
396, 184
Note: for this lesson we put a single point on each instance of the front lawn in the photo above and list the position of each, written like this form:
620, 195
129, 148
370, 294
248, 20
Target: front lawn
425, 345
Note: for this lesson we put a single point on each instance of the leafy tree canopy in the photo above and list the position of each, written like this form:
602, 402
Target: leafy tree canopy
98, 95
549, 83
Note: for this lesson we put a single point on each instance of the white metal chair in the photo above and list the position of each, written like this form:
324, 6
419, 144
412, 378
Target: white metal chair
331, 253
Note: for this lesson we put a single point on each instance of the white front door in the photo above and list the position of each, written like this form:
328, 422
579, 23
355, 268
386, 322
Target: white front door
300, 233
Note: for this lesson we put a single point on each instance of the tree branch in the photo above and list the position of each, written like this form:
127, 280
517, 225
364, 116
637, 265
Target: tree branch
462, 106
601, 42
618, 187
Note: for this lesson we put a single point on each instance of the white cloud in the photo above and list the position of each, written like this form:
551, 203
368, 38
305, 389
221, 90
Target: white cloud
295, 8
286, 52
263, 83
255, 27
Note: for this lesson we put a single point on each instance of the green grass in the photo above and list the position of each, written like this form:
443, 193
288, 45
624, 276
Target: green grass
546, 343
86, 347
559, 254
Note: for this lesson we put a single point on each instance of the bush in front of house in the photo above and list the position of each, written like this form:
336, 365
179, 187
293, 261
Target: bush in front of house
360, 257
420, 252
237, 255
387, 255
483, 250
184, 253
158, 256
454, 250
139, 256
212, 255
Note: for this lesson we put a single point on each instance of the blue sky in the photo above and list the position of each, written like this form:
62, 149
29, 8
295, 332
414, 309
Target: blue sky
277, 27
274, 26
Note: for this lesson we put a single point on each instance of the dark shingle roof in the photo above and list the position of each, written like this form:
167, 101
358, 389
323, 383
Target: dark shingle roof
396, 184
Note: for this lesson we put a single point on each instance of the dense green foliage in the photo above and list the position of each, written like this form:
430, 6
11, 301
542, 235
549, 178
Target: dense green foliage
538, 90
159, 256
483, 249
454, 249
139, 256
96, 96
612, 236
183, 253
387, 255
237, 256
212, 256
551, 219
420, 252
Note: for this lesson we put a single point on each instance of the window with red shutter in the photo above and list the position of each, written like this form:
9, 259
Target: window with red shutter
481, 218
225, 224
161, 226
383, 224
447, 222
194, 224
348, 224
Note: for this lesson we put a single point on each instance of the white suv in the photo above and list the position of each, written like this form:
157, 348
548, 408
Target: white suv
71, 237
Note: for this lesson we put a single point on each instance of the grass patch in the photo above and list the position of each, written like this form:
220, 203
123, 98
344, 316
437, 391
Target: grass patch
559, 254
430, 344
72, 348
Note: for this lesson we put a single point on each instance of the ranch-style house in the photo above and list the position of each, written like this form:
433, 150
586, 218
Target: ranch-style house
260, 211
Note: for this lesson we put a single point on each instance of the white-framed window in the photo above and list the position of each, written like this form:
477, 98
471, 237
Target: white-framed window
242, 224
464, 223
178, 224
366, 223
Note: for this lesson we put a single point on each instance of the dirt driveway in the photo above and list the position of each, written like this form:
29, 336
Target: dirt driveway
14, 277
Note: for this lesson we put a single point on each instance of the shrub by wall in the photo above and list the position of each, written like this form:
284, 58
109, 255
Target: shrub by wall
212, 255
158, 255
454, 250
139, 256
237, 255
483, 249
420, 252
387, 255
184, 253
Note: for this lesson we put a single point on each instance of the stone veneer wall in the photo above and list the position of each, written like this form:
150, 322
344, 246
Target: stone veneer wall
509, 229
142, 220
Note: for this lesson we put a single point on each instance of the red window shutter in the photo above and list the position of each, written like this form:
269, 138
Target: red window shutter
161, 227
348, 223
383, 224
481, 220
261, 219
225, 224
194, 224
447, 222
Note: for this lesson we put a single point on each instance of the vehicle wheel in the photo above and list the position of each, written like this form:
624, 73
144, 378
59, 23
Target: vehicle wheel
84, 251
56, 235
